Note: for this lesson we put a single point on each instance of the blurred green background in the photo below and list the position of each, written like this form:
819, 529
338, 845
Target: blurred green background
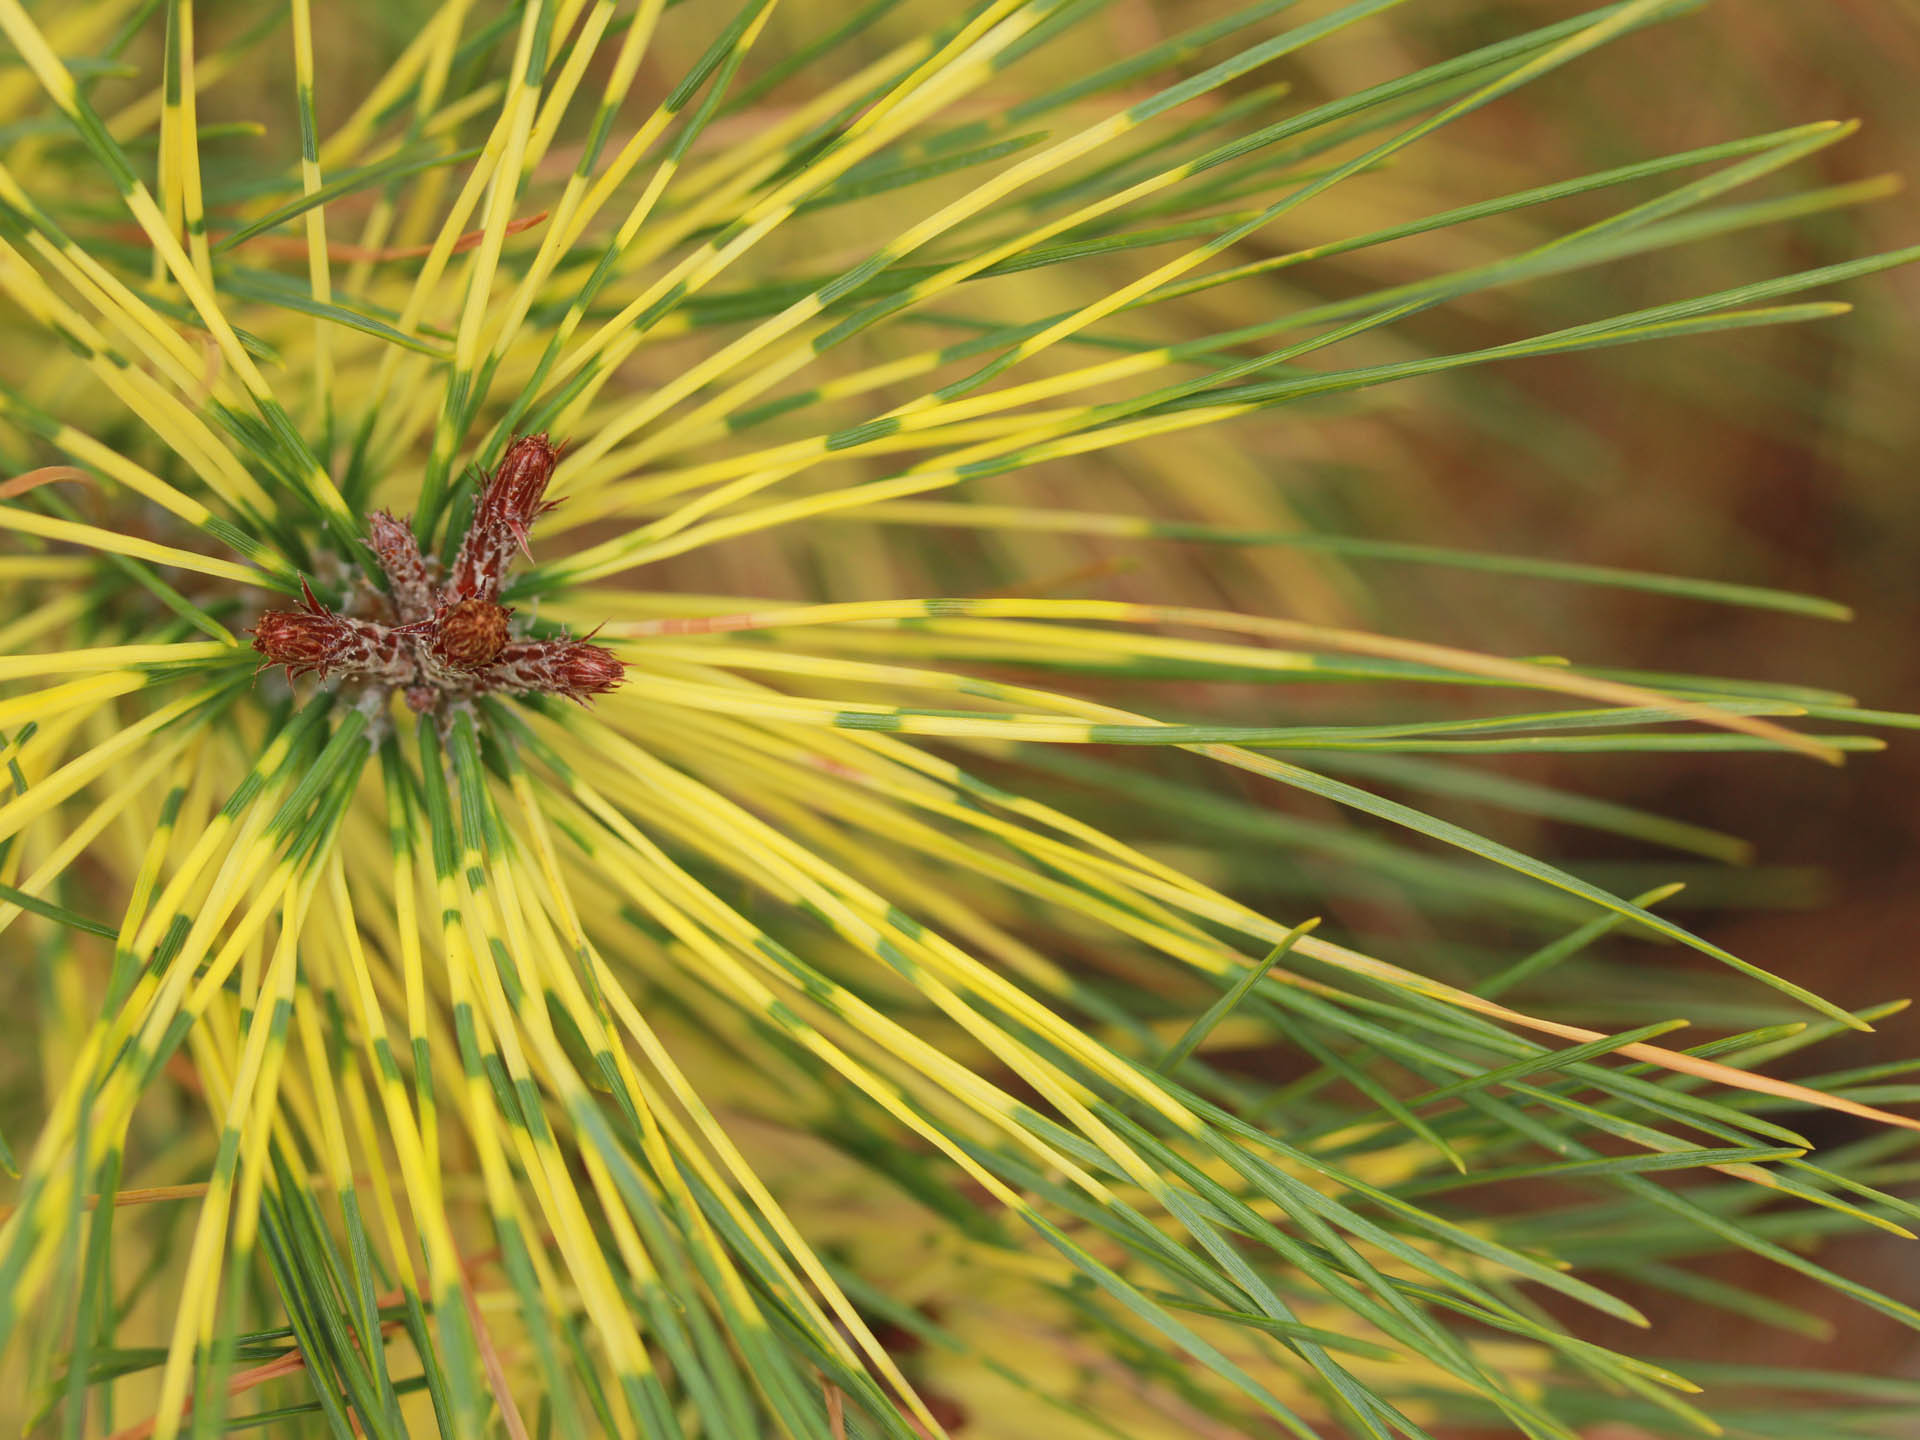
1790, 456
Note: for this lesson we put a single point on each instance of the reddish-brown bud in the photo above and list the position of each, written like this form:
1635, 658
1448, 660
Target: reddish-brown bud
573, 668
437, 644
315, 639
311, 638
586, 669
300, 641
505, 511
408, 582
469, 634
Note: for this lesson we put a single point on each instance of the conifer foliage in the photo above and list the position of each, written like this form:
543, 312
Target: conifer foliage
690, 932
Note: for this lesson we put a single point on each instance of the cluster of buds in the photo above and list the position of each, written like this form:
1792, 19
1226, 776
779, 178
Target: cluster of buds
440, 643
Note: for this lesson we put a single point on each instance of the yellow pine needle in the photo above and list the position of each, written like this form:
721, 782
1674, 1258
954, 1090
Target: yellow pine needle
1293, 632
93, 537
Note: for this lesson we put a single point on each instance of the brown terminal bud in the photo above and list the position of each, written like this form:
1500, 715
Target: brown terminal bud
408, 580
586, 669
441, 644
470, 634
572, 668
508, 504
310, 638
